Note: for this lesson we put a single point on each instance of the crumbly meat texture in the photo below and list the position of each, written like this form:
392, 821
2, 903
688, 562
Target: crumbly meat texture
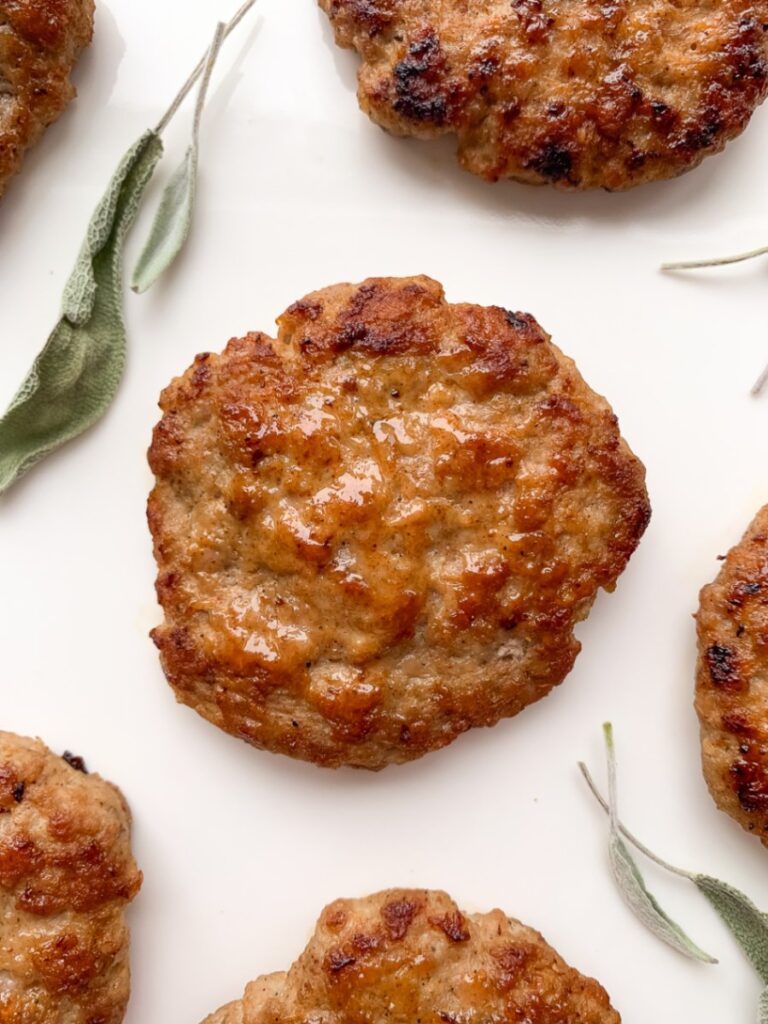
66, 876
415, 953
732, 681
40, 41
574, 93
380, 529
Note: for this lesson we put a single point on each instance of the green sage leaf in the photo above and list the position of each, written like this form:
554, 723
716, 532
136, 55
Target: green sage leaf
646, 907
745, 922
630, 881
173, 221
75, 376
762, 1016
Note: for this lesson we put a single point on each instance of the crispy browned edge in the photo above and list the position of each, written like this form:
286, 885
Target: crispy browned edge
732, 629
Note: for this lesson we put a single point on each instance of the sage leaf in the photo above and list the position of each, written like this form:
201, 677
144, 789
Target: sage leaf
745, 922
646, 907
630, 881
75, 376
173, 221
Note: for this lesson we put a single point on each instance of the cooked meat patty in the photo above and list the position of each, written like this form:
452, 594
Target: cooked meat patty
40, 41
66, 876
415, 953
381, 529
732, 681
574, 93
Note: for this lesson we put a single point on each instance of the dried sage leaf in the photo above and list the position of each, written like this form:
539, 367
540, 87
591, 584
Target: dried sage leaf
745, 922
75, 377
631, 883
173, 221
762, 1016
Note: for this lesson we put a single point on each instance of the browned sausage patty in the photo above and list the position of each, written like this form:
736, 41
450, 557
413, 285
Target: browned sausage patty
732, 681
408, 955
66, 876
40, 41
381, 529
574, 93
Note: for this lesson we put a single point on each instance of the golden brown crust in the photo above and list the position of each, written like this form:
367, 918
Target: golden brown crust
66, 876
567, 92
732, 681
381, 529
40, 41
414, 952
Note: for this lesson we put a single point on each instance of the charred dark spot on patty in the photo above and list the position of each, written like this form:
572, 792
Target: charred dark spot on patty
454, 925
74, 761
750, 779
419, 82
338, 959
398, 916
722, 665
373, 15
554, 162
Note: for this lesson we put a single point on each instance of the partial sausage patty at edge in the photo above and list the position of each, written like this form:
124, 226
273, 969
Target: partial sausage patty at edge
732, 681
67, 875
380, 529
409, 956
574, 93
40, 43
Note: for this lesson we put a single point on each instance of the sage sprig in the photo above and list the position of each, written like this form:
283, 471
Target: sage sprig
747, 924
725, 261
75, 377
173, 221
631, 882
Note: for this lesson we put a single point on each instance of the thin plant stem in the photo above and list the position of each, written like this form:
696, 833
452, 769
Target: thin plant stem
626, 833
190, 82
721, 261
759, 385
205, 82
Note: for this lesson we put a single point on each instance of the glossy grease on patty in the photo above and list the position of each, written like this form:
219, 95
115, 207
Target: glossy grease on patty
66, 877
732, 681
573, 93
416, 954
381, 529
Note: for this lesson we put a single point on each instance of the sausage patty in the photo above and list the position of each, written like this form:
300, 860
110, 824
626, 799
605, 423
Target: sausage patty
416, 954
66, 876
381, 529
732, 681
40, 41
574, 93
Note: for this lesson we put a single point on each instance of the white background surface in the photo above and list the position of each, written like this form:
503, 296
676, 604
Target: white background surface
242, 849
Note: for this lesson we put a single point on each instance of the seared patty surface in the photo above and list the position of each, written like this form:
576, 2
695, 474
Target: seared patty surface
40, 41
732, 681
573, 93
66, 877
410, 955
381, 529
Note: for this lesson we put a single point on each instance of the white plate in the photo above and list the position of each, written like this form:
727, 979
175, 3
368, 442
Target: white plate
242, 849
